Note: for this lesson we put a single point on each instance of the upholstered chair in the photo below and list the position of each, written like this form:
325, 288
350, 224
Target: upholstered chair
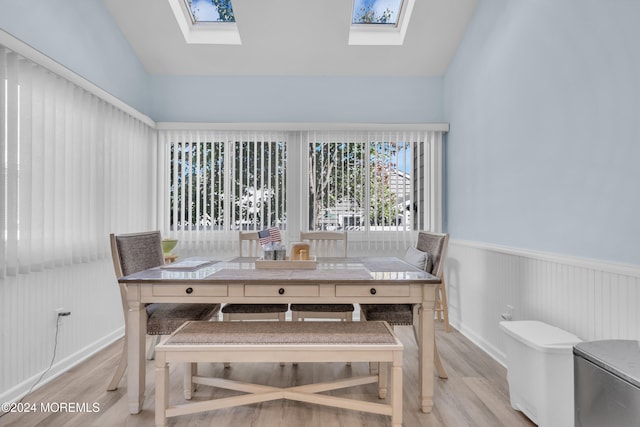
136, 252
434, 248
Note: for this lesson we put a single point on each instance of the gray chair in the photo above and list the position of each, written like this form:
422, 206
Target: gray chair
324, 244
252, 311
136, 252
435, 244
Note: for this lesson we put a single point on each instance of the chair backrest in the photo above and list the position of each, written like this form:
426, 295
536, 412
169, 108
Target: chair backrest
326, 243
436, 244
132, 253
136, 252
252, 242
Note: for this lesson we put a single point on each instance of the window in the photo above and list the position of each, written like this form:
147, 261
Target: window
371, 182
379, 186
380, 22
211, 10
376, 12
225, 182
206, 21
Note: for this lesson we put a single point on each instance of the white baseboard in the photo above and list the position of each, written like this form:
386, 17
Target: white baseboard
495, 353
60, 367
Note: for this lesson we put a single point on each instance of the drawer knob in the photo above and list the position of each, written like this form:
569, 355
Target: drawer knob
189, 290
372, 291
281, 291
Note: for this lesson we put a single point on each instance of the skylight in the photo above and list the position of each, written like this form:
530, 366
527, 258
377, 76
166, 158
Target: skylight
206, 21
385, 12
380, 22
211, 10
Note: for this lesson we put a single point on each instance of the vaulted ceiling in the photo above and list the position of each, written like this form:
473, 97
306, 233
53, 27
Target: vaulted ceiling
294, 37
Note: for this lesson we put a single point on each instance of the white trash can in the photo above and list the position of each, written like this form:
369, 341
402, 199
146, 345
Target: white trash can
540, 371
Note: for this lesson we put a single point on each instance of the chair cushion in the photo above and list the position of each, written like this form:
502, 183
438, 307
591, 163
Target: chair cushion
323, 308
419, 259
163, 319
255, 308
394, 314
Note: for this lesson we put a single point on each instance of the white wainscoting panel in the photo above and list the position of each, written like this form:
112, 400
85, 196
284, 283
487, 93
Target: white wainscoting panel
590, 298
27, 314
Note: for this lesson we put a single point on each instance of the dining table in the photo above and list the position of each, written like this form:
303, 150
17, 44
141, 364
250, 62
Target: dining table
364, 280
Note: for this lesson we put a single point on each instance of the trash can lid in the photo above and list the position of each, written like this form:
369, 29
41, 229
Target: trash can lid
619, 357
540, 336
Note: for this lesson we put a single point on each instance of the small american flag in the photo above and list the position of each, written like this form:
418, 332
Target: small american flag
274, 233
264, 237
270, 235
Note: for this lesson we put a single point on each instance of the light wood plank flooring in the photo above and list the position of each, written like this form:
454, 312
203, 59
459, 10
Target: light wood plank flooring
476, 393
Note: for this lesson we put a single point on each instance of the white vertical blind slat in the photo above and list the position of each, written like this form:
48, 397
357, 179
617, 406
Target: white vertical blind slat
12, 162
26, 167
3, 159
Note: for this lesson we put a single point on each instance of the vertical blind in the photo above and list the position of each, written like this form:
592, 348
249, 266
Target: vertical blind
74, 169
217, 182
379, 186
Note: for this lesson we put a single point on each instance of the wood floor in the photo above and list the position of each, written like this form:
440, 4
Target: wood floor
476, 393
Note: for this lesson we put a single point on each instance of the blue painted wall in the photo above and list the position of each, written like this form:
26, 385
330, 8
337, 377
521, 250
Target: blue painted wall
81, 35
543, 100
297, 99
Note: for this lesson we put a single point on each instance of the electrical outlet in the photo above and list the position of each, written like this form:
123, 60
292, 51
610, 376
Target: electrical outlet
508, 315
61, 313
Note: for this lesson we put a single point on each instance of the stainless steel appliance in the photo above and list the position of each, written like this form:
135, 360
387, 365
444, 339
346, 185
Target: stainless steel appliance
607, 383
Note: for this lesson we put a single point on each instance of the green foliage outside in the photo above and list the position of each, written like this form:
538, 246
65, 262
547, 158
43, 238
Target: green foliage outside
337, 183
368, 16
257, 190
224, 10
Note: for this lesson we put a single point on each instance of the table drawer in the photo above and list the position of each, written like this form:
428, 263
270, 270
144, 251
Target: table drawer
281, 290
373, 291
189, 290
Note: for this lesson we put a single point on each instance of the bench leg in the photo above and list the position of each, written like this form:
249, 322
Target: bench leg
396, 390
162, 390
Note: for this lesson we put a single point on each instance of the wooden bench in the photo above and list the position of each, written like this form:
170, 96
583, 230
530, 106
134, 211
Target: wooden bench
273, 342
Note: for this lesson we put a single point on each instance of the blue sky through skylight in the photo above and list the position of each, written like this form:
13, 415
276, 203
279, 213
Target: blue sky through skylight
207, 11
376, 11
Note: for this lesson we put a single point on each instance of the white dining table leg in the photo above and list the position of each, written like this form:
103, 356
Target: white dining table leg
136, 335
426, 334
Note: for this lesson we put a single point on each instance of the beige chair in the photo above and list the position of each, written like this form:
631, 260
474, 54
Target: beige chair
324, 244
136, 252
252, 311
435, 244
